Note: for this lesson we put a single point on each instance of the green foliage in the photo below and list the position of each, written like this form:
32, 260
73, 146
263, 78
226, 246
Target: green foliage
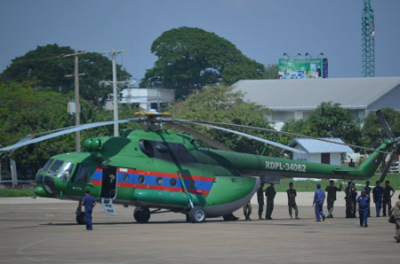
220, 104
17, 192
193, 58
43, 67
328, 120
372, 132
271, 72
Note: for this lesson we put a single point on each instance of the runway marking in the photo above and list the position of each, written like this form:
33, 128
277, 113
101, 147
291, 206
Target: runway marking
49, 215
21, 249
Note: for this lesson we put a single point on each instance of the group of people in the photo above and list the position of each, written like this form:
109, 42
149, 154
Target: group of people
354, 202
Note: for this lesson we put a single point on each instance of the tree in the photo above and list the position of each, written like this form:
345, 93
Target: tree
372, 132
271, 72
46, 67
193, 58
328, 120
220, 104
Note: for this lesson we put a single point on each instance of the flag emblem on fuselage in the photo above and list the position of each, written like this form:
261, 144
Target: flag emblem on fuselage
376, 161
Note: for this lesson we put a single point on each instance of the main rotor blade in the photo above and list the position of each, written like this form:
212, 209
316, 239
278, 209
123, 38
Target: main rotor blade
384, 124
67, 131
209, 141
272, 143
289, 134
387, 167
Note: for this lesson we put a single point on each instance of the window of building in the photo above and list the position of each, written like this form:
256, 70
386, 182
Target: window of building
282, 116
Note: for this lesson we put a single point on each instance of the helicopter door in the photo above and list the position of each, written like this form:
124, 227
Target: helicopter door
109, 183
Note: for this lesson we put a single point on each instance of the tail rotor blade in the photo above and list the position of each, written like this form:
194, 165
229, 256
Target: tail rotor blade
384, 124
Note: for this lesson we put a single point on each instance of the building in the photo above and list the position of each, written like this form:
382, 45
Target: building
299, 98
320, 151
146, 98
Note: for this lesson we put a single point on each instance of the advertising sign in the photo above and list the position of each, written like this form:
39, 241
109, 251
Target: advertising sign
303, 68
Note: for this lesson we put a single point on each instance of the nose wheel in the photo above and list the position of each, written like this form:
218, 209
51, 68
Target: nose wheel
197, 215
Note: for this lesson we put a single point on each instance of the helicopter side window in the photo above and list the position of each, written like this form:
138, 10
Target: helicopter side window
55, 168
66, 170
82, 174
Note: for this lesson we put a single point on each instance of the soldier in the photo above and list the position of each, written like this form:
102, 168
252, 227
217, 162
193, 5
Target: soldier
362, 208
368, 193
270, 194
396, 214
247, 209
318, 202
291, 193
260, 199
377, 197
387, 198
351, 195
331, 193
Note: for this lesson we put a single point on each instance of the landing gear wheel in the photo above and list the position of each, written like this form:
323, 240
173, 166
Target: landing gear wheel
81, 219
197, 215
141, 214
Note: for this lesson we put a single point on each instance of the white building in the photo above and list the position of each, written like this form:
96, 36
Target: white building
299, 98
146, 98
319, 151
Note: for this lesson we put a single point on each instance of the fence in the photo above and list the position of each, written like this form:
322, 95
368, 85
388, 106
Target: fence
25, 172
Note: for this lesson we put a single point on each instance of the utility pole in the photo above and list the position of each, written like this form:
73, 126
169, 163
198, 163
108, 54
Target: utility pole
77, 105
115, 92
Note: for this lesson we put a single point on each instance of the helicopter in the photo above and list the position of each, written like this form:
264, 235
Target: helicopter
157, 171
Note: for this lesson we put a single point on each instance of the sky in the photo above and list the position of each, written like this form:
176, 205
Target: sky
262, 29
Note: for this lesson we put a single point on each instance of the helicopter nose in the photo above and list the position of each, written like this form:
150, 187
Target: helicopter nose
49, 185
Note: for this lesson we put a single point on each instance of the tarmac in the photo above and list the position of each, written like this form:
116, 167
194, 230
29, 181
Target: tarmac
44, 231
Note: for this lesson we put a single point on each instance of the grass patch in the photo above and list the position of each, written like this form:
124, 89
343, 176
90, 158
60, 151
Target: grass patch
17, 192
308, 185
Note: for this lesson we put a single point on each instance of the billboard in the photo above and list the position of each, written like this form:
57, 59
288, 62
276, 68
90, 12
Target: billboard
304, 68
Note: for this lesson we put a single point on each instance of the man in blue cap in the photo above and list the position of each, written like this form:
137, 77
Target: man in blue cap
319, 199
89, 202
362, 208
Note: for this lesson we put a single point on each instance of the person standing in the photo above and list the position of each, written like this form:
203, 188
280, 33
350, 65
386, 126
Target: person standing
387, 198
247, 209
362, 208
377, 197
331, 191
291, 193
396, 214
260, 200
351, 196
270, 194
319, 198
89, 202
368, 193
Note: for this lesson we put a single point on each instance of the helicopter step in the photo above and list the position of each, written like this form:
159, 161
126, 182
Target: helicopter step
108, 206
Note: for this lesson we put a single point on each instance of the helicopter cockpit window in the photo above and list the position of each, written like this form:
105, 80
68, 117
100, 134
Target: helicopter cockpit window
66, 170
82, 174
55, 168
46, 166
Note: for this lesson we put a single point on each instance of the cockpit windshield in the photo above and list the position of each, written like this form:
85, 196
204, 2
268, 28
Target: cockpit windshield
66, 170
46, 166
55, 168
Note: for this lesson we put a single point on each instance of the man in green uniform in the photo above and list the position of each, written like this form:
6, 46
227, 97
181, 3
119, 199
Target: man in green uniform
331, 194
387, 198
291, 194
247, 209
260, 199
270, 194
368, 192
